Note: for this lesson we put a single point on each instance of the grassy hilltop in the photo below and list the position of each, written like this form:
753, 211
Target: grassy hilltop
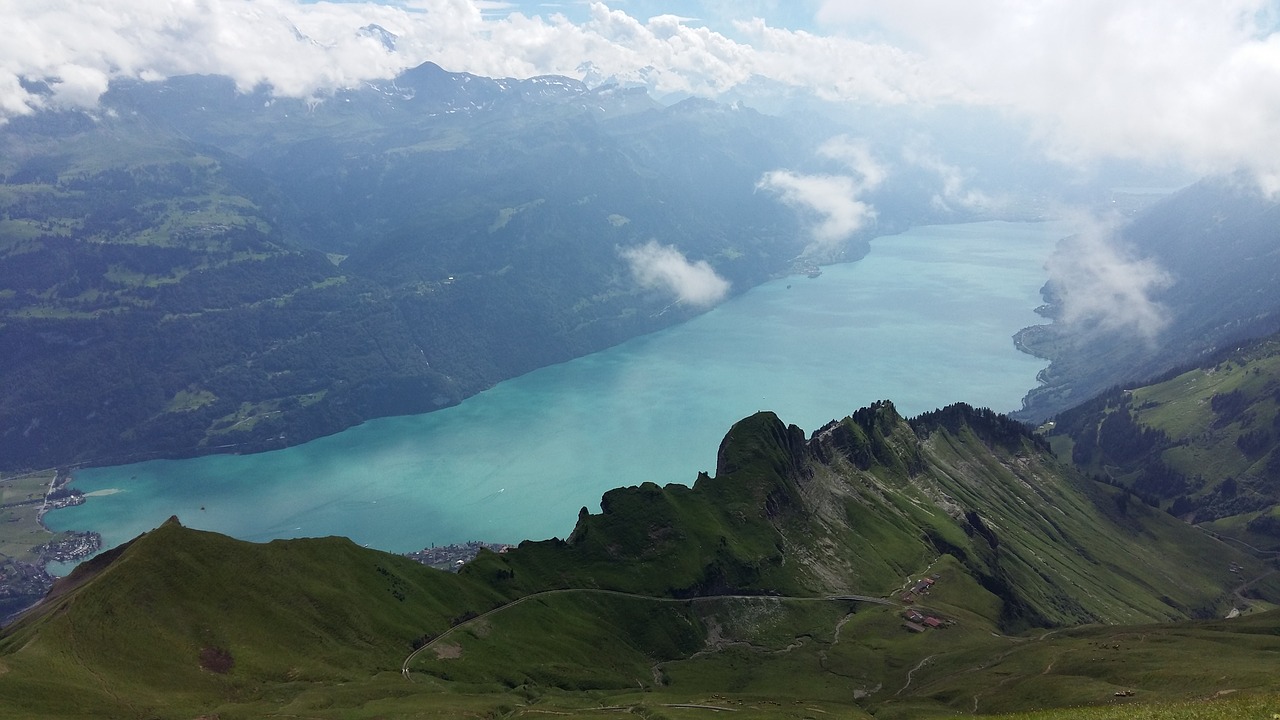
774, 588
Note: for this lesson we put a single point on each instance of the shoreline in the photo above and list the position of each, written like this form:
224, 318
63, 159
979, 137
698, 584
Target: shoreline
976, 235
24, 575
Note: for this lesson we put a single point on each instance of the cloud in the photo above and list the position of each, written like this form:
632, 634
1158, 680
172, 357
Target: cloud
298, 50
665, 268
832, 199
1099, 284
844, 69
956, 194
856, 155
302, 49
1196, 82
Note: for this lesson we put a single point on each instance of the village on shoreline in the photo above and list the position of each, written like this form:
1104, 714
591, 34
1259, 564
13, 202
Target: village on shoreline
27, 545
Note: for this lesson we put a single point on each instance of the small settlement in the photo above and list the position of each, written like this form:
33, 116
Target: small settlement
913, 619
453, 557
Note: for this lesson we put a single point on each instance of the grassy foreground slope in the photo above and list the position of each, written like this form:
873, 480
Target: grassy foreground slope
182, 616
774, 589
1177, 666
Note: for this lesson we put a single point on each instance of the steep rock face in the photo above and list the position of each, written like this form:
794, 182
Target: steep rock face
761, 439
873, 436
760, 464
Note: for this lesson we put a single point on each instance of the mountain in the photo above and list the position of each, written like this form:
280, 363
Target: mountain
1202, 442
194, 269
1218, 242
777, 586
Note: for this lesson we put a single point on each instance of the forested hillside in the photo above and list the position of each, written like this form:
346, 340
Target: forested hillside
194, 269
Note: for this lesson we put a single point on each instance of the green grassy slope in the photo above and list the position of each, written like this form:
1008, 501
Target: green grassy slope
188, 619
1204, 443
1185, 663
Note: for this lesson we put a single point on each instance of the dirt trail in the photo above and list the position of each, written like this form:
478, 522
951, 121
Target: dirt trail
912, 671
404, 667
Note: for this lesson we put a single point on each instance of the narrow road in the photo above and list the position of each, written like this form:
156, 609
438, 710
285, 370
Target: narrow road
1258, 552
858, 598
1239, 590
44, 502
404, 667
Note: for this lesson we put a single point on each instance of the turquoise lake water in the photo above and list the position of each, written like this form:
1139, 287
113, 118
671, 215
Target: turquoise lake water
924, 320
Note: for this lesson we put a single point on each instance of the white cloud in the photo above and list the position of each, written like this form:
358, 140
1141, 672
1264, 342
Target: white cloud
665, 268
1197, 81
845, 69
856, 155
832, 198
1099, 284
301, 49
956, 193
297, 49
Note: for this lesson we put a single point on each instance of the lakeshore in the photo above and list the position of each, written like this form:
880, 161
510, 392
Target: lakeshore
27, 546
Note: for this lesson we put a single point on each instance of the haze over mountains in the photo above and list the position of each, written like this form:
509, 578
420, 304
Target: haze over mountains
403, 246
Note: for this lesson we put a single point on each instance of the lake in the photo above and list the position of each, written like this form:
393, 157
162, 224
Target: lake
926, 319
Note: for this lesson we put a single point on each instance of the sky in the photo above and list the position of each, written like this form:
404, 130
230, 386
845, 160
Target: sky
1196, 82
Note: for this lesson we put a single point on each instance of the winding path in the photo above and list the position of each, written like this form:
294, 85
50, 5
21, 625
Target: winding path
912, 671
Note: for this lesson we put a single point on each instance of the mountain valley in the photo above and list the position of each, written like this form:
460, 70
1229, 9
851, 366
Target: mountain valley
194, 267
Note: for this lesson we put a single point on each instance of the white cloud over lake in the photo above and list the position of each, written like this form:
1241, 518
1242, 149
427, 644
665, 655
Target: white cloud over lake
832, 202
664, 267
